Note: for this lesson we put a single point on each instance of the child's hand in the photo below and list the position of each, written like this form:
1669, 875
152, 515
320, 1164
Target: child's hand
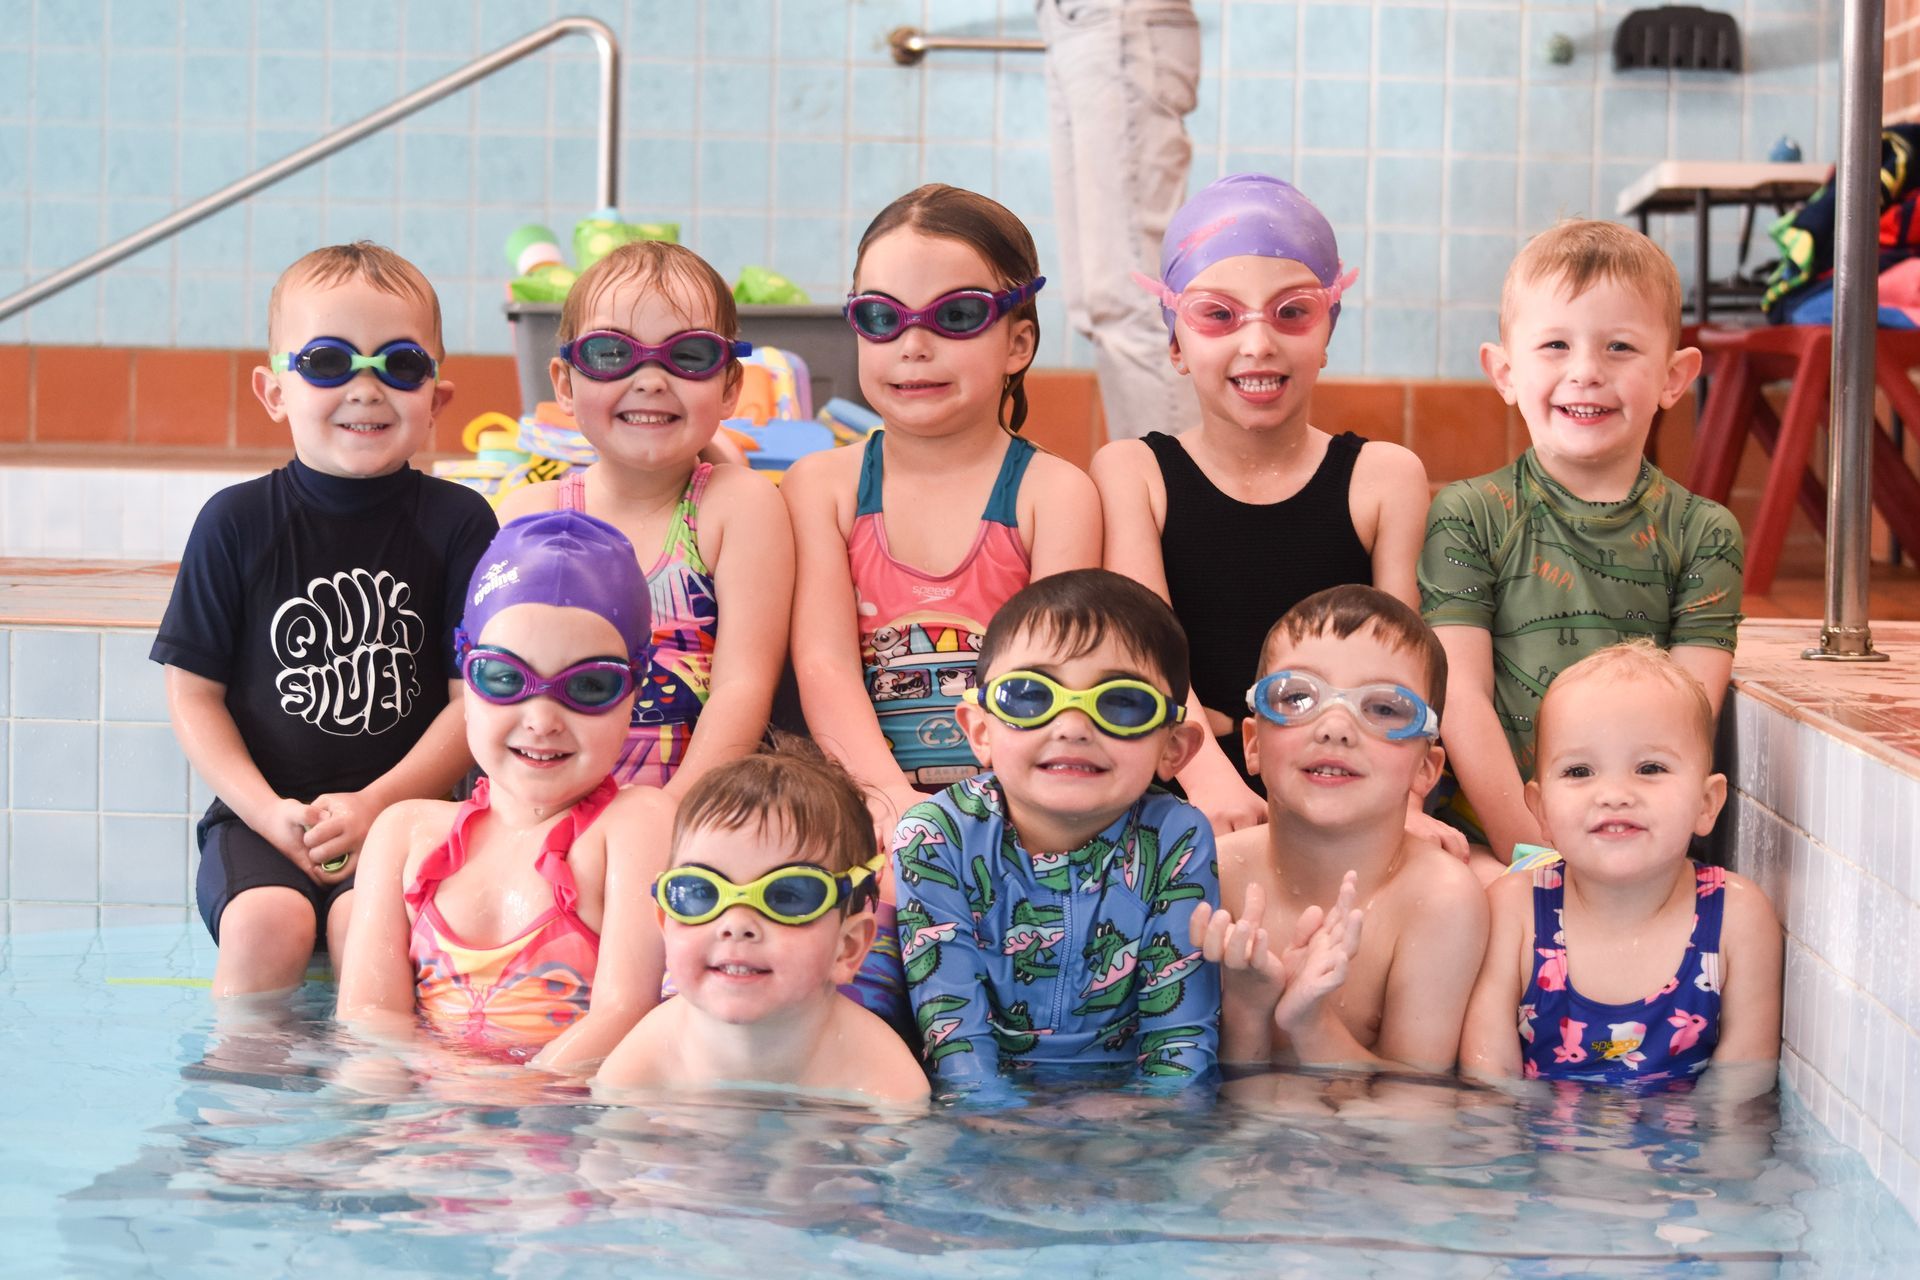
1228, 804
337, 827
1316, 964
1423, 826
888, 806
1240, 946
284, 826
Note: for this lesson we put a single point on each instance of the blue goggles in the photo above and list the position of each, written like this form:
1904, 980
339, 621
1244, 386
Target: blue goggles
1389, 711
331, 362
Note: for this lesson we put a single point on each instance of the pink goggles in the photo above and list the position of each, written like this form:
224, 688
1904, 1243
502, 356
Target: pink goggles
1212, 315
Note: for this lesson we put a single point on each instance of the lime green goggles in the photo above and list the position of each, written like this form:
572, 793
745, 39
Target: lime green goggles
1122, 708
798, 893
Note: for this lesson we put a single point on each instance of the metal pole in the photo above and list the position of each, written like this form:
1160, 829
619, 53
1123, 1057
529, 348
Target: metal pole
1846, 636
425, 96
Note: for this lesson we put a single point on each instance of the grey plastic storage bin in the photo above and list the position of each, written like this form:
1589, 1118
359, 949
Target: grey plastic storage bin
817, 334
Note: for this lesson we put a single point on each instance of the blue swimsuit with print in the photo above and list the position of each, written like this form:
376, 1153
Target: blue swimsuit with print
1669, 1035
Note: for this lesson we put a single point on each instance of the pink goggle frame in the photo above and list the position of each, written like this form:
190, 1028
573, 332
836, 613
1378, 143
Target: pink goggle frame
1212, 315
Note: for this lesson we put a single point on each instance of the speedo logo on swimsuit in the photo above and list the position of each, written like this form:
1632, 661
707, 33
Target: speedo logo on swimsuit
497, 576
927, 593
1615, 1048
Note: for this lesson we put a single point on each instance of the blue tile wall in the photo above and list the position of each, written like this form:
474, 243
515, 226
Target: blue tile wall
774, 130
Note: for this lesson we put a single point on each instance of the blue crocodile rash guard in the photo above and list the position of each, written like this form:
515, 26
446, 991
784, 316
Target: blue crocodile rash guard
1015, 958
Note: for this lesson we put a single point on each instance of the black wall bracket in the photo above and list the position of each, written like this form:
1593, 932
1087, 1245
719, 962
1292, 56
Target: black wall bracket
1679, 38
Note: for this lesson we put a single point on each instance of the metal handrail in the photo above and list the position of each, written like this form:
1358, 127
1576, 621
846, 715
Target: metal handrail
425, 96
910, 45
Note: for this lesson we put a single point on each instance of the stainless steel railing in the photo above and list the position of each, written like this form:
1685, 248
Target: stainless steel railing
1846, 635
425, 96
910, 45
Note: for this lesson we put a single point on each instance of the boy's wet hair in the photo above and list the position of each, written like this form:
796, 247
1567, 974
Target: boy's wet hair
379, 266
1079, 609
1580, 252
1637, 659
653, 264
991, 230
790, 787
1342, 611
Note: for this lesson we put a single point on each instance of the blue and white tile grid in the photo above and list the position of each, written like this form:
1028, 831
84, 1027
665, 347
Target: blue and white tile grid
1435, 133
97, 804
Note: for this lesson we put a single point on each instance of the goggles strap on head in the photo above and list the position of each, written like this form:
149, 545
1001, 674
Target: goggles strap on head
1158, 288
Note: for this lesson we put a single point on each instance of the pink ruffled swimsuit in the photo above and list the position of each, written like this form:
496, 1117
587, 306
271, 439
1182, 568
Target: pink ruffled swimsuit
522, 992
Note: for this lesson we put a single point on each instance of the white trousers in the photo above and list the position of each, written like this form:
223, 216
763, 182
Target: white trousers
1121, 75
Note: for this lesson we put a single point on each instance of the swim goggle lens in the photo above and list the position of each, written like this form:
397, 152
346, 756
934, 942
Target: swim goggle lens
1294, 312
795, 894
1122, 708
333, 362
696, 354
965, 313
593, 687
1390, 711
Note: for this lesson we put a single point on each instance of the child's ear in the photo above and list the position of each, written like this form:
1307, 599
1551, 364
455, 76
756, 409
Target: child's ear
561, 375
977, 725
857, 933
1021, 345
1714, 797
1531, 794
1173, 354
1499, 369
442, 393
1682, 368
1182, 745
266, 387
1250, 743
736, 378
1428, 773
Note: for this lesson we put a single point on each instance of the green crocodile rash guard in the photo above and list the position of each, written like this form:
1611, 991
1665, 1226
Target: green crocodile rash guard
1555, 578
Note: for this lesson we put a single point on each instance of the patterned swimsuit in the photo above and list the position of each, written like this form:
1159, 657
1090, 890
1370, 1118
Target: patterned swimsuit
1669, 1035
919, 633
522, 992
686, 621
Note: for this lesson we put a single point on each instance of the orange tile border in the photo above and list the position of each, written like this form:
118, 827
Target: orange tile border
183, 397
252, 428
1375, 409
1459, 429
16, 393
481, 384
82, 394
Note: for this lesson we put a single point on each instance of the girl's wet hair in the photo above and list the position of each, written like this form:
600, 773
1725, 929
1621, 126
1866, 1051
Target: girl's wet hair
991, 230
791, 787
655, 264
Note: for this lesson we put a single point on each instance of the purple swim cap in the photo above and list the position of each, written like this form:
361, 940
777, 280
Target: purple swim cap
1246, 214
565, 558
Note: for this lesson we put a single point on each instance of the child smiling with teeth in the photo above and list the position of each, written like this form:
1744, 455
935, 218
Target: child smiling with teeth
1045, 904
1581, 542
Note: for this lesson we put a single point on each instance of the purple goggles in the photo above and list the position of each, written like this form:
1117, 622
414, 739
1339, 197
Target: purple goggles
502, 677
606, 355
964, 313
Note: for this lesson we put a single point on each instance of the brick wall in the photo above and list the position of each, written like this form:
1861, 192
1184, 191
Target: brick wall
1901, 95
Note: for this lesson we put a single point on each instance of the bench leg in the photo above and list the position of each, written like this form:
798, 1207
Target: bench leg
1798, 424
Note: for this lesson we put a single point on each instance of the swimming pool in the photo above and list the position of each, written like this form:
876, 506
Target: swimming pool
142, 1138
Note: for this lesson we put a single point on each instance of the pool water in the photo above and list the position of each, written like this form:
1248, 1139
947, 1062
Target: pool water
140, 1136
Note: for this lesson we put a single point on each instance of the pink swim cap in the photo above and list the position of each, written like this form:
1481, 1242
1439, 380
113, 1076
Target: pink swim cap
1247, 214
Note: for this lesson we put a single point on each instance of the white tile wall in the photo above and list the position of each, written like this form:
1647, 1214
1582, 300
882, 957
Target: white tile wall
119, 514
1829, 833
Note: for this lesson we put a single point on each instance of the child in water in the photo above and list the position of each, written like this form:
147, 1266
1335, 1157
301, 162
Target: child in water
517, 921
648, 367
766, 911
1626, 960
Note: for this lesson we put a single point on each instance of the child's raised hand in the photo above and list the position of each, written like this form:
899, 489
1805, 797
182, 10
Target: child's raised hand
1240, 946
1423, 826
1316, 964
1229, 804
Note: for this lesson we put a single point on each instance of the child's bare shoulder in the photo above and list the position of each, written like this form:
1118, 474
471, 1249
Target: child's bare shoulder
1748, 906
1381, 464
731, 485
876, 1062
543, 495
1245, 858
1437, 881
638, 813
1123, 460
1055, 476
1510, 895
408, 829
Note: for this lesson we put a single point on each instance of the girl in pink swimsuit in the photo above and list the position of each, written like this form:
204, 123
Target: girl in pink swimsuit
648, 366
908, 544
516, 922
